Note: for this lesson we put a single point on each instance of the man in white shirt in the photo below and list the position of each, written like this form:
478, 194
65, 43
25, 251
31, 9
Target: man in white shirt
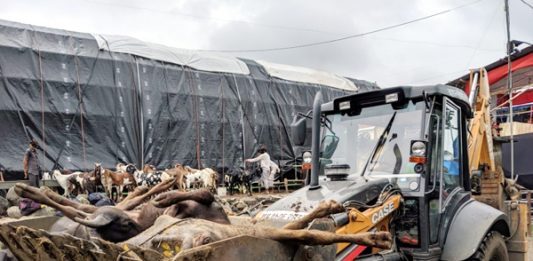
265, 163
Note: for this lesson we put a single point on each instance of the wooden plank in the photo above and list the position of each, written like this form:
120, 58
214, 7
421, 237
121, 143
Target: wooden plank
8, 184
49, 183
36, 223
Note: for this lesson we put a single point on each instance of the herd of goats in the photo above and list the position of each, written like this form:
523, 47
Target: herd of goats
127, 177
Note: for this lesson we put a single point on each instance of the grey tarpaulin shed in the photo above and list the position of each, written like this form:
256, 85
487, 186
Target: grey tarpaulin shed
89, 101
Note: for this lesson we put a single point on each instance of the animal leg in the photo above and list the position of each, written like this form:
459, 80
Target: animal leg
249, 188
204, 232
135, 193
167, 199
379, 239
324, 209
37, 195
139, 199
66, 202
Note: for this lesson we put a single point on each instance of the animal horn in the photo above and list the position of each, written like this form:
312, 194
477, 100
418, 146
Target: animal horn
97, 222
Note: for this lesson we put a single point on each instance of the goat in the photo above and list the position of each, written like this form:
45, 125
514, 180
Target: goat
149, 176
179, 172
241, 178
194, 180
110, 178
209, 178
65, 181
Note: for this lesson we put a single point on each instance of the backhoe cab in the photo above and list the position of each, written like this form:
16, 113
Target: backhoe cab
398, 160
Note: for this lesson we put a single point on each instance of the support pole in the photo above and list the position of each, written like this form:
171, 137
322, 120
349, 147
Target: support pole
510, 84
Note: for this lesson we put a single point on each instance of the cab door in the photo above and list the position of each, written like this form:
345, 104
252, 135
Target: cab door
451, 169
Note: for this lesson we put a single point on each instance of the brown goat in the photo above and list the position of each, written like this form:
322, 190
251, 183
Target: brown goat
120, 179
179, 172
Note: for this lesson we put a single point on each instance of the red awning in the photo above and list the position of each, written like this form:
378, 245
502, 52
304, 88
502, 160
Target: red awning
524, 98
500, 72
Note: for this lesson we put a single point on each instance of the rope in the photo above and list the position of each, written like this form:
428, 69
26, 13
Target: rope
81, 112
195, 112
222, 123
138, 104
41, 83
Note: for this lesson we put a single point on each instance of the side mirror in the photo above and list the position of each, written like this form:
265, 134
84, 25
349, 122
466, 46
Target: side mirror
299, 130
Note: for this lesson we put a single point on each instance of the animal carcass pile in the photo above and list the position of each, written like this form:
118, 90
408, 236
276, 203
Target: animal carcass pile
161, 223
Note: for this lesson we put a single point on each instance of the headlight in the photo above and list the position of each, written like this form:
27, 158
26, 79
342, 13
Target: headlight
307, 157
418, 152
418, 149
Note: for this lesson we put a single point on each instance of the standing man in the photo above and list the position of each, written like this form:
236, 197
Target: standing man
32, 170
264, 160
2, 170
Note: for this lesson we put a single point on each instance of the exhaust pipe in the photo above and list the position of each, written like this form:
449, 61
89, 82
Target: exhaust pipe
315, 141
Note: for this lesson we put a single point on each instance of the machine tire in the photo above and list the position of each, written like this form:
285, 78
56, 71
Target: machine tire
492, 248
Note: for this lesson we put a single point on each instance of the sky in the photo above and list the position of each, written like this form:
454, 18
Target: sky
434, 50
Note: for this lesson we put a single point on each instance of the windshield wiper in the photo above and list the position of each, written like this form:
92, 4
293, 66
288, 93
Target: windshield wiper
379, 144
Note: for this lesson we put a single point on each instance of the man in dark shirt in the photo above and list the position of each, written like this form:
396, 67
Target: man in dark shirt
2, 170
31, 164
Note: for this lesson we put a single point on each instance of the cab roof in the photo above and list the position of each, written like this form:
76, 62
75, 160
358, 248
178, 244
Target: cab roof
397, 96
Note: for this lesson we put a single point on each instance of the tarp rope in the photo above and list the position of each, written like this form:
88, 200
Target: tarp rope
196, 117
80, 97
41, 84
137, 97
222, 119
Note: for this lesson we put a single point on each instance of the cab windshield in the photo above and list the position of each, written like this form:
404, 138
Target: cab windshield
375, 142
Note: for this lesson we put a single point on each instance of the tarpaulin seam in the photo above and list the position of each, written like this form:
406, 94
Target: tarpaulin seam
170, 113
115, 90
281, 125
241, 106
269, 93
17, 102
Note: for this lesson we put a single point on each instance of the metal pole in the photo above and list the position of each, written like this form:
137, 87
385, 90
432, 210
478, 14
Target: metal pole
510, 84
315, 142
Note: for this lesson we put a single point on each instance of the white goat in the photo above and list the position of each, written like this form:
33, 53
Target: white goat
63, 180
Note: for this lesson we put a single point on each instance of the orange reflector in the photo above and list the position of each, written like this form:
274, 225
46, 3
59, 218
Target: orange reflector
417, 159
306, 166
